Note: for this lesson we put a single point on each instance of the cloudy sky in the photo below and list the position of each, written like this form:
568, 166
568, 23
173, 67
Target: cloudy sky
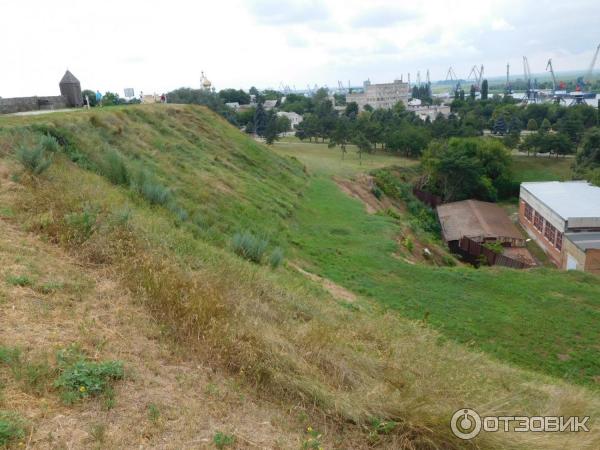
157, 46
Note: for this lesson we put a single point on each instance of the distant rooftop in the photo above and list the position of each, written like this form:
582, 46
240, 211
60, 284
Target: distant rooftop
569, 199
585, 241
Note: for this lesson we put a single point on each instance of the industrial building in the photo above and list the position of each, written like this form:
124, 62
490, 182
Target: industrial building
380, 96
564, 219
470, 224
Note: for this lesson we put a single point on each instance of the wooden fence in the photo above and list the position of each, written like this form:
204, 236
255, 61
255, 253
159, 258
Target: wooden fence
427, 198
476, 251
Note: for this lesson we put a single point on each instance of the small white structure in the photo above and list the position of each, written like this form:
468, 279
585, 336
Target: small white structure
233, 105
295, 118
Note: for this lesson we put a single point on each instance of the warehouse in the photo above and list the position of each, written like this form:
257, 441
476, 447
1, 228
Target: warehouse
553, 212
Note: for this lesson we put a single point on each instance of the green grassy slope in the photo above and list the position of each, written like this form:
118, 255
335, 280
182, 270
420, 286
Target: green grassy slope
188, 151
348, 367
544, 320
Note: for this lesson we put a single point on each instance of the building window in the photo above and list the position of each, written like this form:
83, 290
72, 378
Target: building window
558, 243
550, 233
538, 222
528, 212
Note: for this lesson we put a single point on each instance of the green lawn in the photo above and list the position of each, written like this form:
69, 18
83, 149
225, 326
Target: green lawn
543, 320
542, 168
320, 159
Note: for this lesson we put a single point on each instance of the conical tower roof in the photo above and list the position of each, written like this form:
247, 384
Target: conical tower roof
69, 78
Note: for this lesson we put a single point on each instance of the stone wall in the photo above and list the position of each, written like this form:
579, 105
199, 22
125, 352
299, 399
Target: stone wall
22, 104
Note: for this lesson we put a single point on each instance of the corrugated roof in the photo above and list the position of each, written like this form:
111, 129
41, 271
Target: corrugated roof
569, 199
585, 241
69, 78
473, 218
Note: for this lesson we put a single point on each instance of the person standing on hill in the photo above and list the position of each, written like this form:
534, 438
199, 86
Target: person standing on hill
98, 98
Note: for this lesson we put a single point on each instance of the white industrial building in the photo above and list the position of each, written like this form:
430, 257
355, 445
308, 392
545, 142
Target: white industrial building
380, 96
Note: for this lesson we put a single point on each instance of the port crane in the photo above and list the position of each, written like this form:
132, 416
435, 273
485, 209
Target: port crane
531, 95
451, 75
588, 76
477, 76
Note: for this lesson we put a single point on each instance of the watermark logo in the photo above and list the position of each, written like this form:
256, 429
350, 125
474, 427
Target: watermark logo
467, 424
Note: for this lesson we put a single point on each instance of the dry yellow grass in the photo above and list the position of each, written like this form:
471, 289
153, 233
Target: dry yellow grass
90, 307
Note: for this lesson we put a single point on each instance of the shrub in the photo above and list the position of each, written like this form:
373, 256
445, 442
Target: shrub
19, 280
113, 167
276, 257
34, 159
249, 246
223, 440
378, 193
12, 428
49, 143
155, 193
83, 379
81, 224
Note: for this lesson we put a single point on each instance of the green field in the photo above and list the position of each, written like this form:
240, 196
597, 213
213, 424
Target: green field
497, 310
320, 159
542, 168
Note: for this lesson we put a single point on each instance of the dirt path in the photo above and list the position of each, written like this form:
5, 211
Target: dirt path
338, 292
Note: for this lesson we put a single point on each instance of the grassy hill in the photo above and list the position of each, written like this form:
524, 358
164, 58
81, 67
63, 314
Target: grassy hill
148, 198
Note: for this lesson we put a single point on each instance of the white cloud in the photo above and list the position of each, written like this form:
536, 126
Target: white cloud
156, 46
501, 25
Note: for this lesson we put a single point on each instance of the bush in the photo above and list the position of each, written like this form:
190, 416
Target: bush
155, 193
34, 160
81, 224
249, 246
113, 167
12, 428
276, 258
49, 143
377, 192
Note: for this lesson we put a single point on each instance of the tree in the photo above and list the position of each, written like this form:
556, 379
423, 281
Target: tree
341, 135
271, 132
572, 125
284, 124
362, 144
499, 126
234, 95
545, 126
532, 125
91, 96
587, 160
466, 168
472, 92
409, 140
484, 90
110, 99
260, 120
351, 110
